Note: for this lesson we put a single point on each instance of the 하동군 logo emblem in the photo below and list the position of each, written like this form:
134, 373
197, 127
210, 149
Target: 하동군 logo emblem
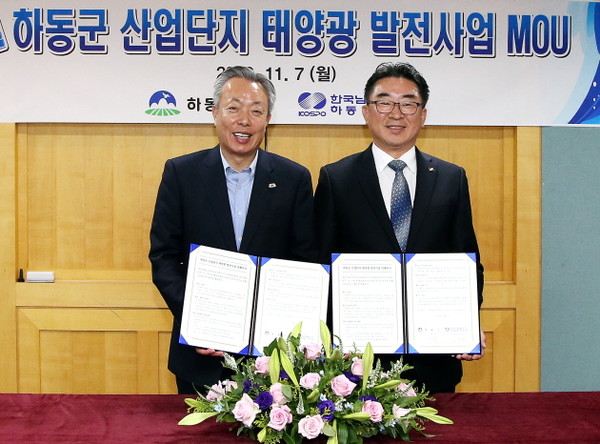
3, 42
162, 103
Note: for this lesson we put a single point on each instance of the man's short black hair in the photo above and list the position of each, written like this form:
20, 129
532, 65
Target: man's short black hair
400, 70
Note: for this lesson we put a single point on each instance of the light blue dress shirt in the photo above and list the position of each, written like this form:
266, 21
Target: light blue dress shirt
239, 189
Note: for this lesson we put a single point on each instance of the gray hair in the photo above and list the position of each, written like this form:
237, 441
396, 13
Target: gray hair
245, 73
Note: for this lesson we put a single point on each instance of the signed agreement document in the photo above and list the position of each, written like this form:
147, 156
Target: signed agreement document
239, 303
406, 303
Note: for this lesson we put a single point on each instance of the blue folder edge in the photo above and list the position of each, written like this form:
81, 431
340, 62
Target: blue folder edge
476, 350
397, 256
413, 351
409, 256
246, 351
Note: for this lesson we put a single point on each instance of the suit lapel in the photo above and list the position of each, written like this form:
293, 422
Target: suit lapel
263, 189
426, 178
215, 186
366, 174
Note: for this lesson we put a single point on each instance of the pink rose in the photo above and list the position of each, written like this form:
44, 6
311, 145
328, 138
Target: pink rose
229, 385
262, 364
311, 426
277, 394
312, 351
216, 392
373, 408
310, 380
245, 410
280, 417
342, 386
399, 412
405, 389
357, 366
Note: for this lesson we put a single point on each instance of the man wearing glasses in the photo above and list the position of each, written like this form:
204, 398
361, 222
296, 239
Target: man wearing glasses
358, 197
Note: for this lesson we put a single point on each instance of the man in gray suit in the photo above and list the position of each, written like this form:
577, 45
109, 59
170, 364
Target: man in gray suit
234, 196
353, 199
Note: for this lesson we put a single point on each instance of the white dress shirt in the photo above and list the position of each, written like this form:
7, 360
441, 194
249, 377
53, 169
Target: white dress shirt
386, 174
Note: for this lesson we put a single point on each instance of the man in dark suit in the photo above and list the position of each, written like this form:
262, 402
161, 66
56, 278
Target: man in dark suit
234, 196
353, 199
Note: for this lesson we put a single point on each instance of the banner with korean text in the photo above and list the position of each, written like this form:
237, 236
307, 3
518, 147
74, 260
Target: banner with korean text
488, 62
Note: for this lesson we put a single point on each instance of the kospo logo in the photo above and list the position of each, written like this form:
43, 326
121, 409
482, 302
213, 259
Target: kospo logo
162, 103
312, 103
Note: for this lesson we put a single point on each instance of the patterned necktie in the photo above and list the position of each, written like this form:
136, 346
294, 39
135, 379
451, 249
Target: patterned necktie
401, 206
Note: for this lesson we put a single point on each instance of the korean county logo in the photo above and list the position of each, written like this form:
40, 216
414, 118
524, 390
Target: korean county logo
3, 42
312, 104
162, 103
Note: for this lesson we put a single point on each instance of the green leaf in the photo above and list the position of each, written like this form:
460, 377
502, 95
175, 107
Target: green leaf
288, 367
427, 410
268, 350
359, 416
353, 438
367, 361
314, 395
281, 345
274, 366
336, 354
342, 432
288, 439
287, 391
390, 384
328, 430
334, 439
193, 402
262, 435
296, 330
196, 418
431, 414
326, 339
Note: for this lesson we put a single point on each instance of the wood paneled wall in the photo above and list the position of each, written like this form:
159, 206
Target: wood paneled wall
78, 199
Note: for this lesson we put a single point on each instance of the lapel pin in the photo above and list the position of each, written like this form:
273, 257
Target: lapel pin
272, 185
431, 169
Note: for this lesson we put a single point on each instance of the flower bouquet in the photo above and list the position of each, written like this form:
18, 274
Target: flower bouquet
296, 391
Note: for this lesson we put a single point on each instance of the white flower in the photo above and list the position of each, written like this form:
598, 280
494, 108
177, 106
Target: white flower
399, 412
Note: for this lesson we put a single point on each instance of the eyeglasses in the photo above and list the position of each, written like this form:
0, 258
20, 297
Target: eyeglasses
387, 106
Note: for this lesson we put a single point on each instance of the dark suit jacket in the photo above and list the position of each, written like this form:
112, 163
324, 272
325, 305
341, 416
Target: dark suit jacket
192, 206
352, 218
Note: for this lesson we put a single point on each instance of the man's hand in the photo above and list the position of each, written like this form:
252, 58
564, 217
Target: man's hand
469, 357
209, 352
